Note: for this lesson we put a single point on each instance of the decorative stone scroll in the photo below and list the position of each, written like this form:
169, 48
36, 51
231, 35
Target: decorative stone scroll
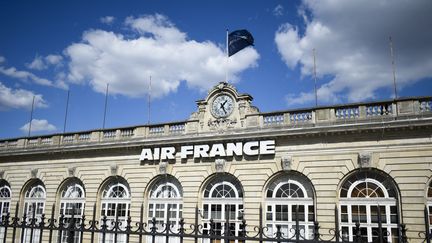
114, 169
286, 162
34, 173
365, 159
221, 124
163, 166
71, 171
220, 165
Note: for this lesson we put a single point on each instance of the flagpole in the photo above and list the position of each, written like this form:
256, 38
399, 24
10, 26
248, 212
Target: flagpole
66, 111
31, 116
227, 58
106, 104
316, 95
149, 100
393, 66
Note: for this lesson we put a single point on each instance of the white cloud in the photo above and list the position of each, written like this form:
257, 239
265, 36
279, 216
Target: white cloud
278, 10
19, 99
159, 50
352, 46
38, 126
2, 59
41, 63
25, 76
53, 59
37, 63
107, 19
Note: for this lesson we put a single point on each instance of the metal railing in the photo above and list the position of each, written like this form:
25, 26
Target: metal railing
75, 228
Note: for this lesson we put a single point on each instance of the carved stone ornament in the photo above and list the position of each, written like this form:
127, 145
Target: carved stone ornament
286, 162
221, 124
220, 165
2, 174
364, 159
71, 171
163, 167
114, 169
34, 173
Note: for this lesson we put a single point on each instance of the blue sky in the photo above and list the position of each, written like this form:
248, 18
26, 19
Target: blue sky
49, 47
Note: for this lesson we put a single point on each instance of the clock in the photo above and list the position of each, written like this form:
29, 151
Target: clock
222, 106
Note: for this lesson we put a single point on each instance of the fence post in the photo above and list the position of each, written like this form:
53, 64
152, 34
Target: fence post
71, 226
93, 223
15, 223
404, 230
244, 230
82, 226
128, 228
211, 230
116, 224
32, 222
104, 227
380, 233
337, 230
141, 223
227, 226
297, 229
23, 225
260, 228
41, 227
153, 229
182, 229
278, 233
60, 227
5, 223
358, 233
196, 228
427, 226
167, 225
316, 231
51, 224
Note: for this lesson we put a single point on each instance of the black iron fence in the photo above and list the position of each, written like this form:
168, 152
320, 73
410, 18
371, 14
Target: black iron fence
77, 229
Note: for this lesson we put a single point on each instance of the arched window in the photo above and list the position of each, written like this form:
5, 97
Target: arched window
72, 202
115, 206
289, 198
165, 199
222, 199
34, 207
367, 197
5, 200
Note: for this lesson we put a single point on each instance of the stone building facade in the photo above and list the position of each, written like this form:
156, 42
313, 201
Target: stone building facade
336, 165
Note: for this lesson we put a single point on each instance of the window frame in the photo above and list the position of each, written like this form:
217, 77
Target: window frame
291, 204
366, 214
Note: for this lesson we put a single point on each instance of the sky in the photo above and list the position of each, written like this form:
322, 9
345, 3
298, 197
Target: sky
50, 48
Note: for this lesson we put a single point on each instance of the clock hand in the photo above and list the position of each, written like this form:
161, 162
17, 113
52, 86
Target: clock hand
223, 108
222, 105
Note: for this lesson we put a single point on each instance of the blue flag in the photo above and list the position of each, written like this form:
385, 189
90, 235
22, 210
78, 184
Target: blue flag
238, 40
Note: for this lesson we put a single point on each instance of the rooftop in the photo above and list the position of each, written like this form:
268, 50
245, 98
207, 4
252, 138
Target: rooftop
415, 110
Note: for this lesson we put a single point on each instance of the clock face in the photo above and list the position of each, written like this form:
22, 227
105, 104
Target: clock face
222, 106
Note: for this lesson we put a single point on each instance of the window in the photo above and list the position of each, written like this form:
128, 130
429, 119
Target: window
222, 199
34, 207
289, 198
72, 206
5, 200
165, 199
115, 206
367, 198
